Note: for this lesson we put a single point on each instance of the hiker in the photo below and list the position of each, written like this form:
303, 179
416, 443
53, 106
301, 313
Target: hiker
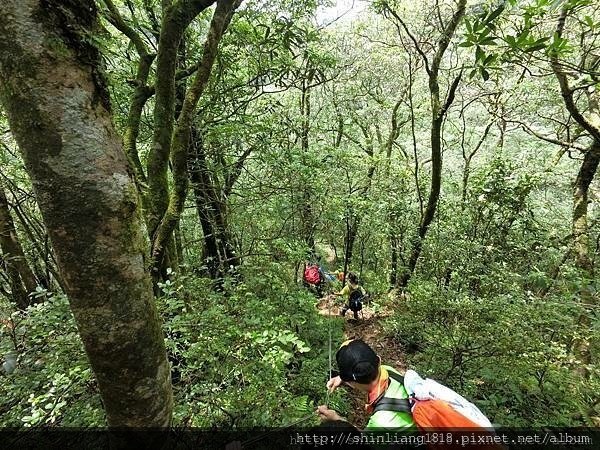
313, 277
355, 294
405, 404
361, 369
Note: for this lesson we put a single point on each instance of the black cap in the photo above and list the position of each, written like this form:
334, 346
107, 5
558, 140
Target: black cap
357, 362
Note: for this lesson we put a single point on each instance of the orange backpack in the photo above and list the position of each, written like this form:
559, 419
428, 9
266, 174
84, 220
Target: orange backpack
437, 414
435, 417
431, 414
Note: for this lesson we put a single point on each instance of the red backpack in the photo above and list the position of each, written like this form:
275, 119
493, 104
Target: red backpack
311, 274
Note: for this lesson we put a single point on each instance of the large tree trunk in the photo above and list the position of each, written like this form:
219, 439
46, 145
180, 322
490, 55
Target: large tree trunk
22, 280
585, 176
59, 112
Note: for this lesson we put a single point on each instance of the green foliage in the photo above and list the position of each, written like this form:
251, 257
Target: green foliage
507, 352
492, 308
253, 356
53, 383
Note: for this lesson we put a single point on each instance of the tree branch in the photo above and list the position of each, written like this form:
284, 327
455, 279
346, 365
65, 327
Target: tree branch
410, 35
115, 18
563, 82
564, 144
451, 94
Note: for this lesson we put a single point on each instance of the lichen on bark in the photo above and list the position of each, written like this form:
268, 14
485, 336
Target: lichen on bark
58, 112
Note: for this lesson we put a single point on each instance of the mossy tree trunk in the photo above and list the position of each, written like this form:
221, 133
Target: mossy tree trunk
176, 17
590, 123
59, 112
183, 131
174, 116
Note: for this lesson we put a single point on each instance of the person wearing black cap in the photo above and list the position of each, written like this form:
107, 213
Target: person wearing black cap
360, 368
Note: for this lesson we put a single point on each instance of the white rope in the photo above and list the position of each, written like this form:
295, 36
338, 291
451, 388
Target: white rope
330, 344
305, 418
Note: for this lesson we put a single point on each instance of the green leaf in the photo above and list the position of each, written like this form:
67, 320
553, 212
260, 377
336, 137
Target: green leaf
589, 21
485, 74
494, 14
479, 54
490, 59
533, 48
488, 41
468, 26
522, 38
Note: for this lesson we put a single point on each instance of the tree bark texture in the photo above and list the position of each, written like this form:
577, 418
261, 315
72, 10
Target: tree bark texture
59, 111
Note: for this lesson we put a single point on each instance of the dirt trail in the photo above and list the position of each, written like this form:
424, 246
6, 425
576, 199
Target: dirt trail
368, 328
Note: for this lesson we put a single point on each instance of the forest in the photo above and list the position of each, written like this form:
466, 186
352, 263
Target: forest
169, 168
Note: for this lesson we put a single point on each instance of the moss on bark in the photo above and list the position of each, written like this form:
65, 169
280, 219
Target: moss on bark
87, 195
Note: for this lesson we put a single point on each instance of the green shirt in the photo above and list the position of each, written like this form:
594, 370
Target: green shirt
347, 290
397, 421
